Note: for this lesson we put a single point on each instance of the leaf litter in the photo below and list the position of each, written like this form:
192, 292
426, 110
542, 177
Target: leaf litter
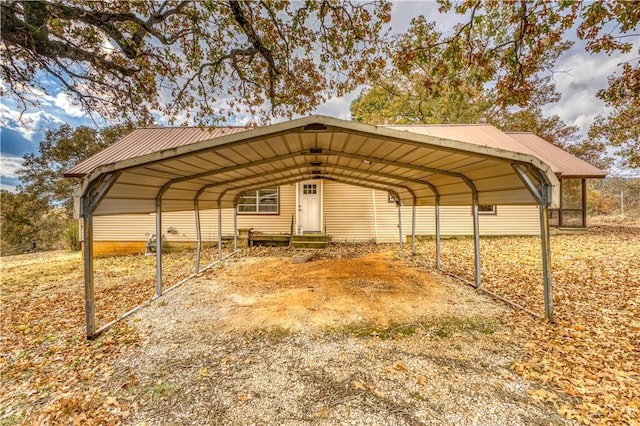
428, 356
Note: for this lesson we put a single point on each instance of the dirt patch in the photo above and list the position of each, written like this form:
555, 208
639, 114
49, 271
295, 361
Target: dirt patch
376, 289
361, 340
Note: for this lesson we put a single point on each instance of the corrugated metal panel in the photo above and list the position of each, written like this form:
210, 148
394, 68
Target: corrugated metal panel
559, 160
146, 140
374, 157
478, 134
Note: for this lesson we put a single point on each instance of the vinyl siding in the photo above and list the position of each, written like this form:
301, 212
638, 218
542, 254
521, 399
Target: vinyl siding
140, 227
348, 215
348, 212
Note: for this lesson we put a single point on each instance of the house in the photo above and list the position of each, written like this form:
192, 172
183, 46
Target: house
327, 200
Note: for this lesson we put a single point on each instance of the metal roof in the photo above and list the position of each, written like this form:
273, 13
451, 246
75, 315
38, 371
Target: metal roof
147, 140
562, 163
174, 166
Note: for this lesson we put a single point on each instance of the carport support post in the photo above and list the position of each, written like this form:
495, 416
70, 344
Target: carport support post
400, 225
196, 208
546, 261
413, 228
89, 292
159, 245
438, 259
219, 230
476, 240
235, 227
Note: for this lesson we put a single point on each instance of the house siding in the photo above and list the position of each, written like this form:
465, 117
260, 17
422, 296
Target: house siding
348, 215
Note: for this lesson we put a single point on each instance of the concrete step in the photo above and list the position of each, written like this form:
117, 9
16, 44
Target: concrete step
309, 237
309, 244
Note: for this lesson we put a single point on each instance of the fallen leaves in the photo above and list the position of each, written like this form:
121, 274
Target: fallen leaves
50, 373
592, 352
587, 365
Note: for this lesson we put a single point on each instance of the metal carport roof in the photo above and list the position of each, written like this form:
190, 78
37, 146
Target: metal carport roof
211, 170
405, 163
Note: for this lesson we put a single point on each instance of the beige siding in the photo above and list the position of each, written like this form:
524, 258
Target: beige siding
348, 212
140, 227
348, 215
510, 220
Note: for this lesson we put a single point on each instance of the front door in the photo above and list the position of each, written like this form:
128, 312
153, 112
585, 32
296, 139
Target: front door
309, 206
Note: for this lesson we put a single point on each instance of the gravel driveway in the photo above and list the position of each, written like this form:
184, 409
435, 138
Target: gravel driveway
364, 341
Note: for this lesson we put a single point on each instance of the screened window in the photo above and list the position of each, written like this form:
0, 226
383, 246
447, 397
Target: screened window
263, 201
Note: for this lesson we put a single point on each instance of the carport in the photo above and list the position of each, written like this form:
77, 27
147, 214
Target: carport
157, 170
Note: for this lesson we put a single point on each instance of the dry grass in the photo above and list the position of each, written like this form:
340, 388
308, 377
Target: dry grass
585, 367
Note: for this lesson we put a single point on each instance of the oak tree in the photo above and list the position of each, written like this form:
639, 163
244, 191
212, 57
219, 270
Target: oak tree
41, 174
511, 45
41, 209
198, 61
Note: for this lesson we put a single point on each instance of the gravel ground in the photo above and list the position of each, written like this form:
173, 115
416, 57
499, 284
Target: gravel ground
197, 365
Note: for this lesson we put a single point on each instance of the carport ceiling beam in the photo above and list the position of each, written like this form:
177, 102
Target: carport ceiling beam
318, 152
373, 160
301, 176
352, 169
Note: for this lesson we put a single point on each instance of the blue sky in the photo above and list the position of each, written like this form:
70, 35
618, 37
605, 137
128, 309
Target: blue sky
579, 76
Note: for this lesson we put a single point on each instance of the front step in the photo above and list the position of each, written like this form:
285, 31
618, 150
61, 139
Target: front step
309, 241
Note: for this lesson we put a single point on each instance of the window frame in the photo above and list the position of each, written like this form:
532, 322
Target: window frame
492, 212
257, 199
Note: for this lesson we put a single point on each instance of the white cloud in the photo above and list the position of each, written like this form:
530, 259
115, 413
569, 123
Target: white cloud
579, 75
7, 187
64, 102
27, 123
9, 165
338, 107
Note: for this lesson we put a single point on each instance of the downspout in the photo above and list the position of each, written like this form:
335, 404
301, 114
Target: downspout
235, 227
219, 229
438, 256
413, 227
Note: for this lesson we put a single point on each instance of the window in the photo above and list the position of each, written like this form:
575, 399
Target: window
263, 201
487, 209
309, 189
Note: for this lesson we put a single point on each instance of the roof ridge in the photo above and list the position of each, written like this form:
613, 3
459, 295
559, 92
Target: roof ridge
436, 125
189, 127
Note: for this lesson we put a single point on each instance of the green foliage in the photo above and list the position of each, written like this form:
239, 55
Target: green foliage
41, 211
497, 66
61, 149
72, 236
27, 220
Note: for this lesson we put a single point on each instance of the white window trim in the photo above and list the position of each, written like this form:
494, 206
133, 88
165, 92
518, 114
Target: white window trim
258, 212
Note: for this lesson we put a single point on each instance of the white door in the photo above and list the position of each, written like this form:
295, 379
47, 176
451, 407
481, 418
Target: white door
309, 207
